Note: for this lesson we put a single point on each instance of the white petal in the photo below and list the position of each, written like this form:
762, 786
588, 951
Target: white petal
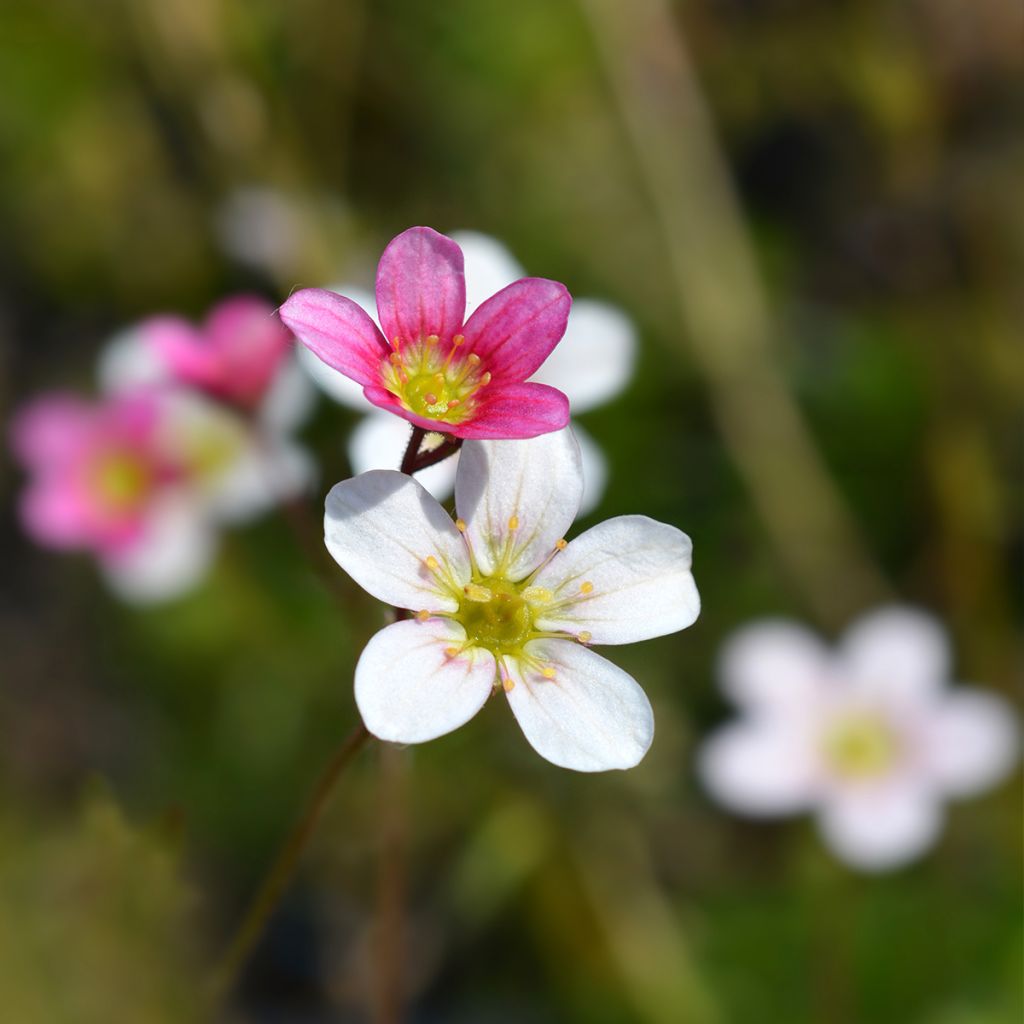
595, 470
170, 558
759, 768
127, 362
489, 267
881, 827
624, 580
289, 400
518, 498
590, 717
333, 384
774, 665
594, 360
898, 652
264, 474
381, 527
379, 442
409, 687
971, 742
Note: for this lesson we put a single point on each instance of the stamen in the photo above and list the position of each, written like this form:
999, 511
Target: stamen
451, 652
485, 379
457, 340
460, 525
561, 544
477, 593
430, 398
586, 587
431, 563
422, 615
395, 358
548, 672
584, 636
537, 595
513, 523
396, 343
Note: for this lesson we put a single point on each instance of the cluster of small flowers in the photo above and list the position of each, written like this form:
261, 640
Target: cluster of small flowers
496, 599
192, 431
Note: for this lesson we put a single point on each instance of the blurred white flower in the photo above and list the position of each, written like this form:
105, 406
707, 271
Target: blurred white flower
592, 363
868, 736
500, 598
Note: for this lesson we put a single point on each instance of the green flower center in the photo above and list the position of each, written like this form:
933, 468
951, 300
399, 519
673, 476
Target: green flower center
432, 383
496, 616
861, 746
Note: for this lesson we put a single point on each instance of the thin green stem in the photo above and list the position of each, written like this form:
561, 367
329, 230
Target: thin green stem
276, 881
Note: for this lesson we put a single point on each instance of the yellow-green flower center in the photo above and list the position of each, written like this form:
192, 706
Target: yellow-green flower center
433, 383
861, 746
495, 615
120, 480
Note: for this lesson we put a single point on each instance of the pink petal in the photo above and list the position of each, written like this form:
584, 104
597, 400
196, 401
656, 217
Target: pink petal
516, 411
54, 514
421, 287
50, 429
181, 348
338, 331
249, 342
514, 331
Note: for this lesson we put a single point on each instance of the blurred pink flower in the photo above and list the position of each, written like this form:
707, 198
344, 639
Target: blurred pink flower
868, 737
142, 480
440, 371
241, 355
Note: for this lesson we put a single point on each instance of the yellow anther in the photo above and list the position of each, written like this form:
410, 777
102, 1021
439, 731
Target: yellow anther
430, 398
451, 652
586, 587
422, 616
508, 683
473, 359
562, 544
513, 523
547, 672
432, 339
485, 379
477, 593
395, 358
460, 525
431, 563
453, 402
538, 595
584, 636
458, 340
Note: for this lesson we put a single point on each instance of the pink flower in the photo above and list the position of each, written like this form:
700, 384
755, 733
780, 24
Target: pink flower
95, 469
235, 355
442, 372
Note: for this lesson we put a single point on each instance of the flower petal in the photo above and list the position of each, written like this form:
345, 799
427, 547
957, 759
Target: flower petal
595, 470
774, 666
337, 330
381, 527
972, 742
169, 558
129, 362
421, 288
881, 827
409, 688
289, 400
342, 389
379, 441
50, 429
594, 361
759, 768
489, 266
518, 498
516, 411
624, 580
591, 716
514, 331
899, 652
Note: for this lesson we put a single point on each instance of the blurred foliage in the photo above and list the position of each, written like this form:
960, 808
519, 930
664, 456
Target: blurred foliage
877, 152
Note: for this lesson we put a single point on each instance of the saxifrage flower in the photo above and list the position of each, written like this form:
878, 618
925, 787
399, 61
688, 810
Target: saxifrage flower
431, 365
590, 365
869, 736
499, 598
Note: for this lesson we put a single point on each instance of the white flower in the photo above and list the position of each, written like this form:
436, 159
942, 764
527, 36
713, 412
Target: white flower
590, 365
499, 597
868, 737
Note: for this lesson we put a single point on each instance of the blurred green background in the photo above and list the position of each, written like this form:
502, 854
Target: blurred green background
812, 211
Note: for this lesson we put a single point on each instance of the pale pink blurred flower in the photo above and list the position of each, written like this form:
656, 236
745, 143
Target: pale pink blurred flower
868, 737
500, 598
590, 365
142, 481
428, 363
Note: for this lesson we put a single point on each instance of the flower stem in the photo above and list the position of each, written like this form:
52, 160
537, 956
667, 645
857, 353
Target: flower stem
412, 451
276, 881
414, 460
